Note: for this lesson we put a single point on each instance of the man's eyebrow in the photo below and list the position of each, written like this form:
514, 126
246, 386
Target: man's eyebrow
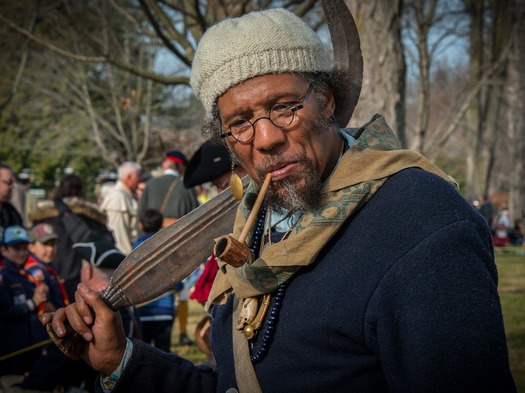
268, 103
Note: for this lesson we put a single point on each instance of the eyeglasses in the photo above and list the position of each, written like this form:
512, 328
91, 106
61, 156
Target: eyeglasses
281, 115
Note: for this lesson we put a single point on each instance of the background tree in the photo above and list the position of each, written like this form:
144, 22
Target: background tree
110, 78
115, 66
383, 91
514, 112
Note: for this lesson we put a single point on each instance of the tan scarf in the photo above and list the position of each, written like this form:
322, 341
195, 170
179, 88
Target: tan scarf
361, 171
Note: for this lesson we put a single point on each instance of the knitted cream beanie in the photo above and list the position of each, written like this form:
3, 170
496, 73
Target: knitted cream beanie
258, 43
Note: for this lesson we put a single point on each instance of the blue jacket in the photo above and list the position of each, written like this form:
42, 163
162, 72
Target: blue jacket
45, 273
19, 323
403, 299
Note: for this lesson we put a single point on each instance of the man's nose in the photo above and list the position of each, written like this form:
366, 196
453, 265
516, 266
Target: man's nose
267, 134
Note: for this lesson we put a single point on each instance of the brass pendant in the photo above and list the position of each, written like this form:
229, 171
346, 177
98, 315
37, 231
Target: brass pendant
236, 186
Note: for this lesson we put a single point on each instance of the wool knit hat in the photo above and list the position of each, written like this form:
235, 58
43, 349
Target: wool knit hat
258, 43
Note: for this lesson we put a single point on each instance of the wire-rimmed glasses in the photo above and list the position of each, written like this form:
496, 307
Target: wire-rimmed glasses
281, 115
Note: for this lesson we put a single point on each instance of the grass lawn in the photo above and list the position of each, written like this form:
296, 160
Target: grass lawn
511, 269
190, 352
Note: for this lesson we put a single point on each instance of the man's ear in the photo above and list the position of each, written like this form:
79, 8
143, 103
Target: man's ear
86, 271
330, 103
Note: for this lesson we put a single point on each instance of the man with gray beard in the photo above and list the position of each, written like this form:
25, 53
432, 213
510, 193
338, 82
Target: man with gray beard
368, 271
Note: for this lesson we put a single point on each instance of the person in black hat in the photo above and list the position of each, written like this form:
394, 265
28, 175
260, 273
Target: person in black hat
211, 163
167, 193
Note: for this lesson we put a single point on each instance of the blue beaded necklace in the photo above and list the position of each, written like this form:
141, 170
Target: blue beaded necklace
271, 323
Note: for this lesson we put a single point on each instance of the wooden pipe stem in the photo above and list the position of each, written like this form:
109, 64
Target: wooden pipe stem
255, 209
234, 251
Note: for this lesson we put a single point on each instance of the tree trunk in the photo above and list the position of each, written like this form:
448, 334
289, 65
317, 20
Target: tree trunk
516, 119
424, 14
501, 32
383, 90
473, 127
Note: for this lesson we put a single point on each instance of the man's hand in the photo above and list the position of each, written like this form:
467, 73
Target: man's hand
105, 341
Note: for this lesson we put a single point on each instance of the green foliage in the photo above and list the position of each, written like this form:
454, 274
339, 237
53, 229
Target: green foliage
43, 142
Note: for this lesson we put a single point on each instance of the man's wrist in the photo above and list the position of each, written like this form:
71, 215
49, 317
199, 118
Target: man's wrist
108, 381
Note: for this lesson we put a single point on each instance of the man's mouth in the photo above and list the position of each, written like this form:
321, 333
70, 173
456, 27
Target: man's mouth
281, 172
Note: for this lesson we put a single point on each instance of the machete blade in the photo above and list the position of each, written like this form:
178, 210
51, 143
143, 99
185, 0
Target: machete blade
167, 257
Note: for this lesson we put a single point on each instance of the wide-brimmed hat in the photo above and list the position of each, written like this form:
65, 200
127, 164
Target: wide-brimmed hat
210, 161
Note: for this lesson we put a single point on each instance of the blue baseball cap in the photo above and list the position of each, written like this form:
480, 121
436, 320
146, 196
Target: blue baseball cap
14, 235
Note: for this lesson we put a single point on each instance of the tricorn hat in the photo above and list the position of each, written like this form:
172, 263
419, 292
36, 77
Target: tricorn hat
210, 161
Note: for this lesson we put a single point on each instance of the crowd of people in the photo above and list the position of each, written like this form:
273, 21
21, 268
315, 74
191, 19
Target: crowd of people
71, 240
505, 230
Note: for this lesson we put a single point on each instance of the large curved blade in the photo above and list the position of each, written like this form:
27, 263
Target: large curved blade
348, 61
171, 254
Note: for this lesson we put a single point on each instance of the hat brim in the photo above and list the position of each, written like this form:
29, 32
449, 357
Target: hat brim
14, 242
46, 238
209, 162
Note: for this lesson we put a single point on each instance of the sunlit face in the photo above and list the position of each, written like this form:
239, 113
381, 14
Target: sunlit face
17, 253
140, 189
300, 156
45, 252
132, 180
6, 185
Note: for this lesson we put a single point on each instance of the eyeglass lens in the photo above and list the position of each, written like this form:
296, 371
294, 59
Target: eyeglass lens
281, 115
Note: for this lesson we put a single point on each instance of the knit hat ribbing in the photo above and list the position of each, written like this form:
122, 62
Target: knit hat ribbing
259, 43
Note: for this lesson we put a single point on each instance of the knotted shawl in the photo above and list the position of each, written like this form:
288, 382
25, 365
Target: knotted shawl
361, 171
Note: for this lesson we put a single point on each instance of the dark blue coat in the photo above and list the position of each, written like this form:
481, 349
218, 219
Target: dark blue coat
19, 324
403, 299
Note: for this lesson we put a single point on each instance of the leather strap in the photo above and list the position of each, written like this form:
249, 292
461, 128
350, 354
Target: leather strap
168, 193
244, 372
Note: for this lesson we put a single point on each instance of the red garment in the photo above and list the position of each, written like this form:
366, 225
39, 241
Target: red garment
202, 287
